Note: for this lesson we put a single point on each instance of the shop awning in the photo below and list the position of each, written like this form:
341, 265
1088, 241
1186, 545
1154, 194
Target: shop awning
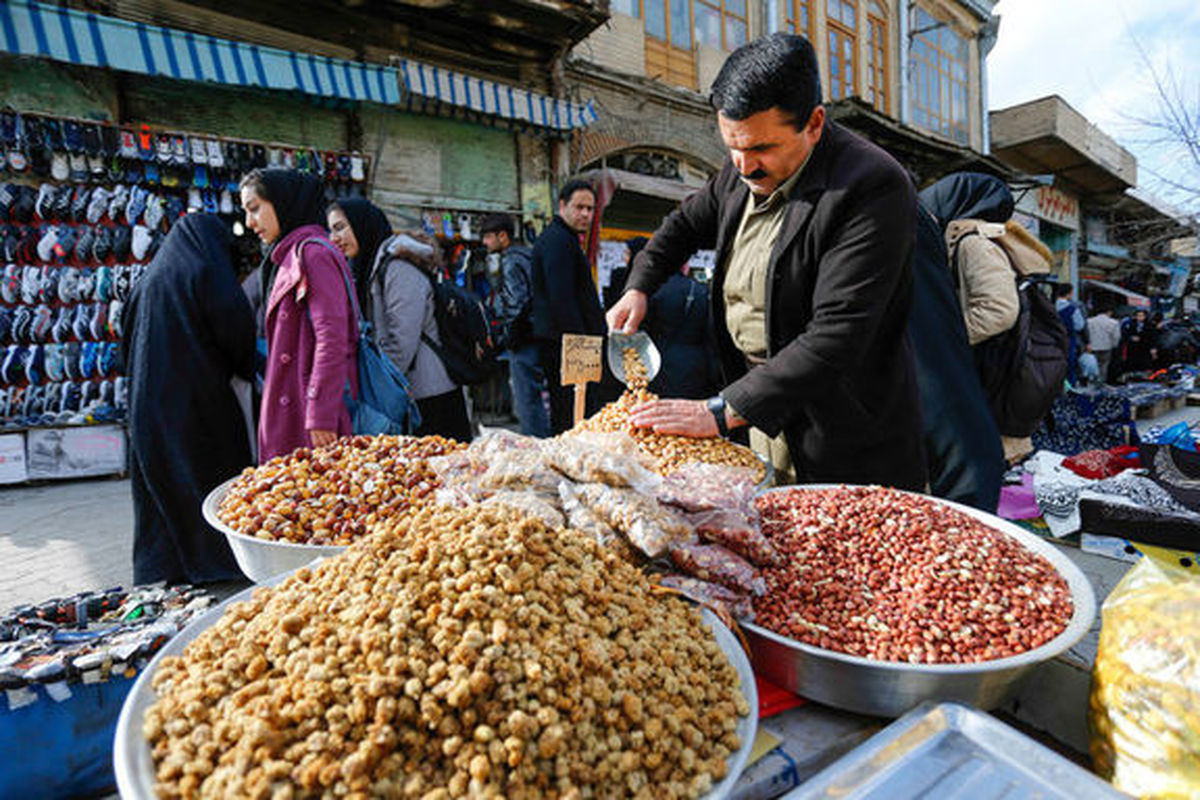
648, 185
76, 37
497, 99
1135, 299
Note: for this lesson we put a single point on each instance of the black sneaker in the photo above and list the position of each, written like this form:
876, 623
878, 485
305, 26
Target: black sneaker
102, 247
122, 239
79, 203
71, 395
71, 353
6, 319
81, 325
34, 364
13, 366
61, 332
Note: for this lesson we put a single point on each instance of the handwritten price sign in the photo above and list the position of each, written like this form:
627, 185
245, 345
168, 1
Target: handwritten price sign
582, 360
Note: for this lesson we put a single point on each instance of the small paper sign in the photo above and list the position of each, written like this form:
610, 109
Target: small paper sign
582, 359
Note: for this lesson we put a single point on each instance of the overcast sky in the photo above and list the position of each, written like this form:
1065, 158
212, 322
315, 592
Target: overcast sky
1083, 51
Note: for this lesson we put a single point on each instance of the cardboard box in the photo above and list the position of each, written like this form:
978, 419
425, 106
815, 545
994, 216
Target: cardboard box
12, 458
55, 453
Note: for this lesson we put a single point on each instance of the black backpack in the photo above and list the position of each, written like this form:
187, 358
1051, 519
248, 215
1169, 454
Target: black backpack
1022, 370
468, 349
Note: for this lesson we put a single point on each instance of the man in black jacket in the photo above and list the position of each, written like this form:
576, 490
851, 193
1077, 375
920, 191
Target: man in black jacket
512, 306
565, 299
814, 230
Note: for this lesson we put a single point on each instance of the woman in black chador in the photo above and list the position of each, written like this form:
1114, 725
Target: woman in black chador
188, 330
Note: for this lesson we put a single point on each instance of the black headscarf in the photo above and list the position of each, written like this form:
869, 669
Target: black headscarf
968, 195
371, 229
299, 199
197, 239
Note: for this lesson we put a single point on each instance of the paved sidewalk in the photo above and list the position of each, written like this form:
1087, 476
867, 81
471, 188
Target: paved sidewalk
57, 539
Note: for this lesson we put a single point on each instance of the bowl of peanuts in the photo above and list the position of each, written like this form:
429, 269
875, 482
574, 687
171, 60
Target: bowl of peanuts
314, 502
886, 599
475, 651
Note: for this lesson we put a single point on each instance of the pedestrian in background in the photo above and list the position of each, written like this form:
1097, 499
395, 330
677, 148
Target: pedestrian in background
1139, 339
310, 326
616, 281
565, 299
512, 306
392, 279
1074, 320
188, 331
1104, 338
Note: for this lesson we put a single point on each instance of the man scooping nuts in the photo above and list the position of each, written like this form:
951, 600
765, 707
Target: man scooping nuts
814, 229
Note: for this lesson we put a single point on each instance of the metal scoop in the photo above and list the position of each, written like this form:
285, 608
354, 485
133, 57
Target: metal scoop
642, 346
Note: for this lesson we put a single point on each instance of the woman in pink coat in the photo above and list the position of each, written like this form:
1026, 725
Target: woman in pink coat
311, 325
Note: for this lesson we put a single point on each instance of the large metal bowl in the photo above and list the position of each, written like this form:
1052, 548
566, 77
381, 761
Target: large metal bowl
260, 559
133, 762
889, 688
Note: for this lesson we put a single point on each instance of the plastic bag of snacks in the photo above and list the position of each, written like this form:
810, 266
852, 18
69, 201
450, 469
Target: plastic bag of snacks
521, 470
738, 531
649, 526
531, 504
721, 598
708, 487
713, 563
583, 462
1145, 702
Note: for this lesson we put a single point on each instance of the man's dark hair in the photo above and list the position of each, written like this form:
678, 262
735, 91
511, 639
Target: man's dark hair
572, 186
1063, 289
497, 223
777, 71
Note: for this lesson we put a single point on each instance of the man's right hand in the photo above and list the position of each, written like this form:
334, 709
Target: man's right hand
628, 313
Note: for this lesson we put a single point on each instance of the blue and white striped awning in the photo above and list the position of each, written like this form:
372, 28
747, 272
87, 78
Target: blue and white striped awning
32, 29
497, 99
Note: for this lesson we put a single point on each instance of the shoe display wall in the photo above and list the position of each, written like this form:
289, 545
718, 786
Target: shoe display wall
83, 208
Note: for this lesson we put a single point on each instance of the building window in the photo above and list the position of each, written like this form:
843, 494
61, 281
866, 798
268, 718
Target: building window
841, 21
667, 21
939, 85
789, 16
878, 70
721, 23
630, 7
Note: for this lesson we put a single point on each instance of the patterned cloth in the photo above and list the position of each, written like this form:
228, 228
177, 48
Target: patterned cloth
1059, 500
1081, 421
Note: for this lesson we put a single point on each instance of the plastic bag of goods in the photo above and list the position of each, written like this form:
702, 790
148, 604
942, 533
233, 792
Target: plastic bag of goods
521, 470
698, 486
584, 462
739, 531
1145, 701
648, 525
715, 564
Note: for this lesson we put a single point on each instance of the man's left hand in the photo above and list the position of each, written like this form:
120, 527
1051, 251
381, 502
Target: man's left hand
682, 417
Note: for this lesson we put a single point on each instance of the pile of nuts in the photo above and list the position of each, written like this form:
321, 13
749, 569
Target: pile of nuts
899, 577
668, 451
635, 369
330, 495
452, 652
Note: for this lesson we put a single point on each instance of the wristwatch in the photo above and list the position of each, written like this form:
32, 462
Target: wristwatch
717, 406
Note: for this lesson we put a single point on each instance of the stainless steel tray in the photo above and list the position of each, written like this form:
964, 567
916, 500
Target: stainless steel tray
952, 752
134, 764
890, 688
260, 559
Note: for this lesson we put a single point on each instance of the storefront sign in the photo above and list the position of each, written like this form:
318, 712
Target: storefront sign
76, 452
1057, 207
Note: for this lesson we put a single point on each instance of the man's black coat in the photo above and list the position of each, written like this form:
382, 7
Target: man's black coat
840, 381
564, 295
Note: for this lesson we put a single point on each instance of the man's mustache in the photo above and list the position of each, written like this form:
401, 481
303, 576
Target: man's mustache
757, 175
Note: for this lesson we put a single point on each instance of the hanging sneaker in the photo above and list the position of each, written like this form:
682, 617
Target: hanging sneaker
137, 204
121, 389
43, 206
71, 395
116, 320
89, 394
34, 363
60, 166
129, 147
226, 205
6, 320
79, 168
22, 325
108, 394
174, 209
83, 247
154, 212
98, 325
199, 150
72, 351
121, 282
12, 365
43, 323
210, 202
81, 325
55, 361
49, 238
117, 201
61, 332
142, 239
97, 168
10, 284
122, 238
216, 157
52, 400
102, 245
180, 155
89, 353
98, 204
30, 280
34, 404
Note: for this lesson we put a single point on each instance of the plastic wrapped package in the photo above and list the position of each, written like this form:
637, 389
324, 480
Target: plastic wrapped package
582, 518
713, 563
1145, 701
529, 503
583, 462
618, 442
493, 443
708, 487
721, 598
521, 470
738, 531
459, 494
454, 467
649, 526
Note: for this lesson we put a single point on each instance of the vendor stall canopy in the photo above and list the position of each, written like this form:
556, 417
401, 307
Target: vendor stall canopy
77, 37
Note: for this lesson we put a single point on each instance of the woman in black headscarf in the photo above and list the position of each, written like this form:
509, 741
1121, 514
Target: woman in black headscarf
392, 274
188, 330
310, 323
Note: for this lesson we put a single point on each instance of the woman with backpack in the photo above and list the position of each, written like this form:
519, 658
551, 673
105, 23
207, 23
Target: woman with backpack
309, 321
393, 277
